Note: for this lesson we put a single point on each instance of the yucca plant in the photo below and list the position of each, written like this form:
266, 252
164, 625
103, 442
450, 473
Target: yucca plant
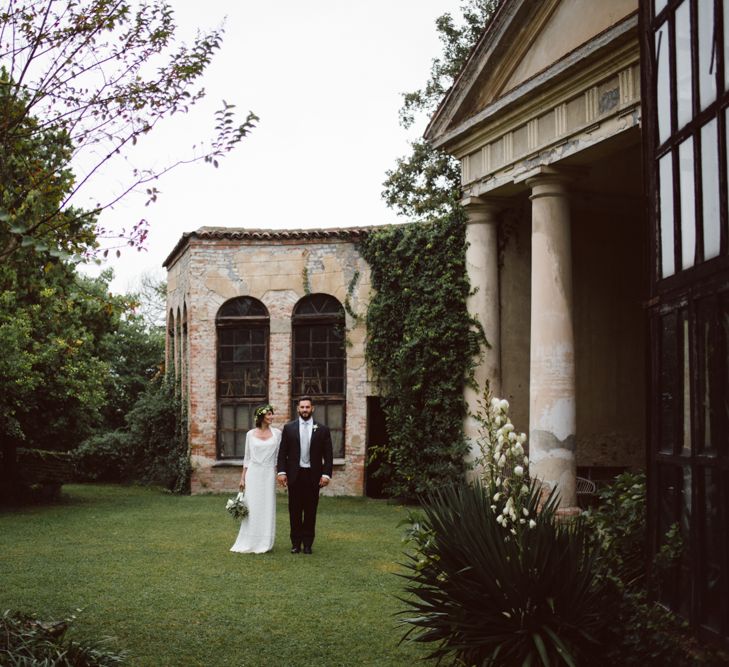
486, 596
26, 641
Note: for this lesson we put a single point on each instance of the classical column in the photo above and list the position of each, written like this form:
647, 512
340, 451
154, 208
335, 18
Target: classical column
552, 363
482, 266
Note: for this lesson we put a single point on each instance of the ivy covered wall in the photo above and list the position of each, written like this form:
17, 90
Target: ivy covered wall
422, 346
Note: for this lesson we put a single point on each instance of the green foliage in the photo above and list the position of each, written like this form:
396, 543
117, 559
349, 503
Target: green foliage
28, 642
152, 448
421, 346
427, 182
52, 324
105, 457
643, 632
135, 355
619, 522
99, 75
457, 37
486, 597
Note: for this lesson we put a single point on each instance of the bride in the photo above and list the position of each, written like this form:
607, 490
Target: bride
258, 479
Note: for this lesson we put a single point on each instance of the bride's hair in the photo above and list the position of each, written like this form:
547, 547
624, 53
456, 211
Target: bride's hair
261, 413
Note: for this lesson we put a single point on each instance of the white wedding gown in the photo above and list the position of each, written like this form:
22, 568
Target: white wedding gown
258, 529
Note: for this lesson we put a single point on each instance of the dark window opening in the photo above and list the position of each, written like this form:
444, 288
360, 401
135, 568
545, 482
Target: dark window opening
319, 362
242, 371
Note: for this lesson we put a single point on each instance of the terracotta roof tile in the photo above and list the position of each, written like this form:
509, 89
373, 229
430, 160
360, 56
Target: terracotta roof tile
245, 233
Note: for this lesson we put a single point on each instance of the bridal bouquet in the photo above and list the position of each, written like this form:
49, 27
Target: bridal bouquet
237, 507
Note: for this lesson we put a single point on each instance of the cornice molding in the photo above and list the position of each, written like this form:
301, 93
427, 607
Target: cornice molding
569, 74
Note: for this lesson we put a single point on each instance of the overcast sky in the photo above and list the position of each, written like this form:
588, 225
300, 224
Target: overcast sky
325, 77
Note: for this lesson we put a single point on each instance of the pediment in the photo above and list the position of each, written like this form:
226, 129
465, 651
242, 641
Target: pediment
524, 38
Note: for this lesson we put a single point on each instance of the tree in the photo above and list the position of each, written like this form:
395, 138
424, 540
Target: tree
53, 322
426, 183
421, 342
100, 75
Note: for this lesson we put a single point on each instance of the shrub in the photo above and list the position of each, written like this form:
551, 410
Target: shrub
643, 632
26, 641
158, 430
487, 596
152, 449
106, 457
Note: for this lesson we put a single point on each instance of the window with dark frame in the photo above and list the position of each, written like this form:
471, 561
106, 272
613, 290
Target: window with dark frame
319, 361
242, 371
685, 91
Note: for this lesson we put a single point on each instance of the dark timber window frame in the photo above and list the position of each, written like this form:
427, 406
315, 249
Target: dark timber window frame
319, 361
688, 458
241, 378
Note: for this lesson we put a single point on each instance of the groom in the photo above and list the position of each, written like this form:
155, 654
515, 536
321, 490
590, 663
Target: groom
304, 466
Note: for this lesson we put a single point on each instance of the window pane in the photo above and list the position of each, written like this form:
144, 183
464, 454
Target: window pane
244, 306
710, 189
720, 398
227, 417
663, 84
335, 416
227, 438
338, 444
707, 374
668, 379
688, 209
243, 418
659, 5
683, 64
240, 444
665, 170
707, 54
686, 451
711, 557
669, 488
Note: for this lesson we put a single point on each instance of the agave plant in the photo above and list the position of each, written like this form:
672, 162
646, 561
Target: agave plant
486, 596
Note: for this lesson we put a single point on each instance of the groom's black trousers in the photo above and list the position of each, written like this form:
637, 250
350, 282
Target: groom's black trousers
303, 501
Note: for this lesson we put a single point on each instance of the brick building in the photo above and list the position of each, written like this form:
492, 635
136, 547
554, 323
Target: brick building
257, 316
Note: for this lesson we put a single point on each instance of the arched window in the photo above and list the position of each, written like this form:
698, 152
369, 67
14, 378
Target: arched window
242, 380
319, 361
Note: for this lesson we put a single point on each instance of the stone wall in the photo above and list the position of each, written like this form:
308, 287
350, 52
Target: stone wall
205, 272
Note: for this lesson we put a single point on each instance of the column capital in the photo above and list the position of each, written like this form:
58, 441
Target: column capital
550, 181
483, 209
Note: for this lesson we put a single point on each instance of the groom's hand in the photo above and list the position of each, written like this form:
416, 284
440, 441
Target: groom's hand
282, 482
323, 481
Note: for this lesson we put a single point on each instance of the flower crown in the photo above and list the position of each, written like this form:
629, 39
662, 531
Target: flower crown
263, 410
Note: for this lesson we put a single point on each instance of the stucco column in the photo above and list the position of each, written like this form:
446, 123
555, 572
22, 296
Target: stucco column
482, 265
552, 364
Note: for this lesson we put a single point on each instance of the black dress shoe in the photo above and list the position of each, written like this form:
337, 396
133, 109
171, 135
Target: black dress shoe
295, 550
307, 550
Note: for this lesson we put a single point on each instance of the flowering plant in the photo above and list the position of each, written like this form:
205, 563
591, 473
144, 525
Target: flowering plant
237, 507
504, 464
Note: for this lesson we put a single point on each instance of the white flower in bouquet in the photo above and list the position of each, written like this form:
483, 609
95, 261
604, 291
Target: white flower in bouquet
237, 507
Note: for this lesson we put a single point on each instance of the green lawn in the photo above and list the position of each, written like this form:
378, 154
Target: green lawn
155, 572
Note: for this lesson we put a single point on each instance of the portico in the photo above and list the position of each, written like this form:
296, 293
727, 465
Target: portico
547, 132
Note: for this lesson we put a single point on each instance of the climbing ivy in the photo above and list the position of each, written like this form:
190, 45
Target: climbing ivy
422, 346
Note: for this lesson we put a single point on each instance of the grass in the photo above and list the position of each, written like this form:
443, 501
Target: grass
155, 572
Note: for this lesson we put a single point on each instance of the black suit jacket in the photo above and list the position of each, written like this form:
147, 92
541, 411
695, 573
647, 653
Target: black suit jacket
320, 449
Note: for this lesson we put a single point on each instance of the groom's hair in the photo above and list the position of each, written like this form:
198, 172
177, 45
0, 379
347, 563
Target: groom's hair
304, 398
